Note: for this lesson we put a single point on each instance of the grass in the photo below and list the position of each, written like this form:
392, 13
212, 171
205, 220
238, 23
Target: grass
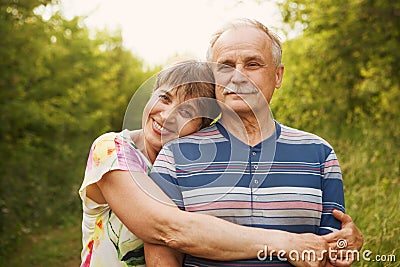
375, 210
374, 206
371, 174
54, 247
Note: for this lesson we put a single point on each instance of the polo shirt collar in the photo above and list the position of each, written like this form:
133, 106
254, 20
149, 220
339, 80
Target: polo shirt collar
229, 136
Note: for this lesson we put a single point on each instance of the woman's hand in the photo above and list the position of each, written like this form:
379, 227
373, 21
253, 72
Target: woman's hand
303, 250
346, 241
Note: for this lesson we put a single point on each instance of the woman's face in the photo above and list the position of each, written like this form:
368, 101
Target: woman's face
167, 116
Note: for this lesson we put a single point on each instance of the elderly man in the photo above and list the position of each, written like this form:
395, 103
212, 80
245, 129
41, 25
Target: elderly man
250, 169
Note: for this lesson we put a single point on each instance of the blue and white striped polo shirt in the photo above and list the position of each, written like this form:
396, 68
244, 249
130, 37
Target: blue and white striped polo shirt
290, 181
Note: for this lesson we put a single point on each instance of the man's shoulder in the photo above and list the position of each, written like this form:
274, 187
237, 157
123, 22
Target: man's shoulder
295, 136
207, 135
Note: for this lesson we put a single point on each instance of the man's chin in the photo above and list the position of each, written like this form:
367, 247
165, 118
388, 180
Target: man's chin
238, 106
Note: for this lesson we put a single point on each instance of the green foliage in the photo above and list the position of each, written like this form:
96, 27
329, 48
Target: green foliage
342, 82
59, 89
60, 246
347, 58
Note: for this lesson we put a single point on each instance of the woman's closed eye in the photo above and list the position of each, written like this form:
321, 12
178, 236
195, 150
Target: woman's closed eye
164, 98
186, 113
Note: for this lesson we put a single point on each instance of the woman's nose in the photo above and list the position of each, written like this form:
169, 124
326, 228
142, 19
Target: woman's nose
168, 114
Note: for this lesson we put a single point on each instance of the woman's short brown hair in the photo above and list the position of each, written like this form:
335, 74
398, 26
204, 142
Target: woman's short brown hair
193, 79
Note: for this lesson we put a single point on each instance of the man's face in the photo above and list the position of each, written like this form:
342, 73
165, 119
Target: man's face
245, 75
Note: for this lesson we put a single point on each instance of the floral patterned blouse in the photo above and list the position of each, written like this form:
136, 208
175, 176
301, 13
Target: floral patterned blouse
106, 241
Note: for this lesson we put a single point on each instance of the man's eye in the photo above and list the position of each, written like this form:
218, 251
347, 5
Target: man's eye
224, 67
253, 65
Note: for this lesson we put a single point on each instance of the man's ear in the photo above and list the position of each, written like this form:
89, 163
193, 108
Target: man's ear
279, 76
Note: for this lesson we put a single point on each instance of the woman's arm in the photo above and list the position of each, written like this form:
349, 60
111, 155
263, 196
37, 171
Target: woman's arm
192, 233
350, 233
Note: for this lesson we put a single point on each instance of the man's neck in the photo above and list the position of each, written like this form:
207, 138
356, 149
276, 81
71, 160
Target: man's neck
249, 128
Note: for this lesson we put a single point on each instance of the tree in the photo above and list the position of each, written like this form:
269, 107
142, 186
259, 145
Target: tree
342, 82
346, 61
60, 88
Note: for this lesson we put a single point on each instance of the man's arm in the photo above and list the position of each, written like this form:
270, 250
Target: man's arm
157, 255
333, 212
332, 194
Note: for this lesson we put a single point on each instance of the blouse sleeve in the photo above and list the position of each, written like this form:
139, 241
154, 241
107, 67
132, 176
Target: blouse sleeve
111, 151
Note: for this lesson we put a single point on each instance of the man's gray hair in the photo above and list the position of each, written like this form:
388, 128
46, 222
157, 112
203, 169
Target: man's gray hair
276, 44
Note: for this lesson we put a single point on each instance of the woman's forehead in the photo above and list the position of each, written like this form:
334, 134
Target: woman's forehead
179, 93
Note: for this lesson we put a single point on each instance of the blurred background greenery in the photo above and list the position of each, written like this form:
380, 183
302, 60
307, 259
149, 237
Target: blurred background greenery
61, 87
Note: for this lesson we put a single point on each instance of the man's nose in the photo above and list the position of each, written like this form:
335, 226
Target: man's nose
238, 77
